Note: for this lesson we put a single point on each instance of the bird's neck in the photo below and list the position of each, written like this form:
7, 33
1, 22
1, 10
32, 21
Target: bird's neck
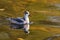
26, 17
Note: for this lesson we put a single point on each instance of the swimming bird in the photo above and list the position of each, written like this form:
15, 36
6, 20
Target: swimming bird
18, 23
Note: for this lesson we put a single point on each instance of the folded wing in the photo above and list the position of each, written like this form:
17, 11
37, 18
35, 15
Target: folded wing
16, 20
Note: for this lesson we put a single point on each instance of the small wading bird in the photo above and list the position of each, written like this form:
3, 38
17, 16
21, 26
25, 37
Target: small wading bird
21, 23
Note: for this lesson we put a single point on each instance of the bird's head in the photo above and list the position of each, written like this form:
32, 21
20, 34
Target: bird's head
27, 13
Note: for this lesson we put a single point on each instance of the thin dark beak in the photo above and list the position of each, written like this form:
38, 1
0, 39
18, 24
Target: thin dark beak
29, 15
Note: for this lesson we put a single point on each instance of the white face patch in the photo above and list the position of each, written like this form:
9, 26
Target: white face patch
27, 12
